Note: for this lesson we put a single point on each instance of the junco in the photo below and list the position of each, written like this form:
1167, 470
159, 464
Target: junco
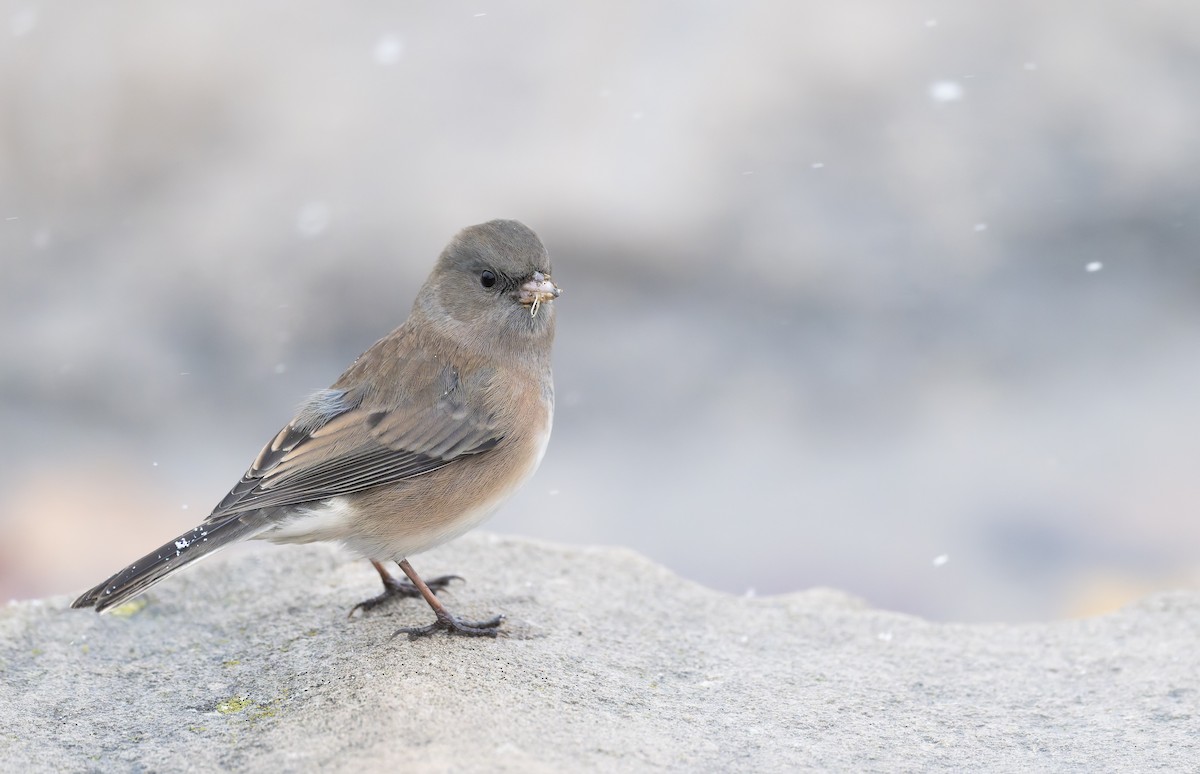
421, 439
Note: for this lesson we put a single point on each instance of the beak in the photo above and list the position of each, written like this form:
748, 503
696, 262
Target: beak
537, 290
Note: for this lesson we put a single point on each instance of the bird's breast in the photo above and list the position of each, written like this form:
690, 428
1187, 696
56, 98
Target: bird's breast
431, 509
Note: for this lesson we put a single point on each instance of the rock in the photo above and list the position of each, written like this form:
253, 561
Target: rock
610, 663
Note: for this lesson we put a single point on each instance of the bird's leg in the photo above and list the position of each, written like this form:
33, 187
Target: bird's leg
445, 621
393, 588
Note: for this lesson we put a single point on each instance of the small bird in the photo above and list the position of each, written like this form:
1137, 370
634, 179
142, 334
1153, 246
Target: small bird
425, 435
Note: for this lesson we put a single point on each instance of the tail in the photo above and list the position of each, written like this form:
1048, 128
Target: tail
169, 558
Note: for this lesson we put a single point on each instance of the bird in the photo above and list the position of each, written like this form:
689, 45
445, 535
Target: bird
421, 439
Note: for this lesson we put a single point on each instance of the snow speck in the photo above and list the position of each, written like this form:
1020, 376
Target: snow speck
181, 543
747, 173
637, 116
751, 593
818, 165
1031, 66
22, 22
41, 239
884, 636
980, 226
1094, 266
184, 506
154, 464
479, 15
312, 219
945, 91
931, 23
553, 492
281, 368
388, 50
940, 560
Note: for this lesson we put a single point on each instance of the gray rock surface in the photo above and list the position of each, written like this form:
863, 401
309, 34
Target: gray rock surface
611, 664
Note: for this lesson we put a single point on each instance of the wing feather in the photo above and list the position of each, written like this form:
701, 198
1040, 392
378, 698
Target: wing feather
338, 447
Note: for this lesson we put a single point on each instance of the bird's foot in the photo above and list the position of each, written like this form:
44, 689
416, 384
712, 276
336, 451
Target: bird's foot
452, 625
398, 589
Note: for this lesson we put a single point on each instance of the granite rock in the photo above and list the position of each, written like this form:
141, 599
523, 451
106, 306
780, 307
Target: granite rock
609, 663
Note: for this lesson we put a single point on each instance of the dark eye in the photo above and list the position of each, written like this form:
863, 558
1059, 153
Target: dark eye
487, 279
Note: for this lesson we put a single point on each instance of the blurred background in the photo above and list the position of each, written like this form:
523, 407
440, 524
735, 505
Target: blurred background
900, 298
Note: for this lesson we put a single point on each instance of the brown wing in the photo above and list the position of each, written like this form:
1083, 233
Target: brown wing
340, 443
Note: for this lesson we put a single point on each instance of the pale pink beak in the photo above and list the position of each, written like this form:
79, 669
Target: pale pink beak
539, 290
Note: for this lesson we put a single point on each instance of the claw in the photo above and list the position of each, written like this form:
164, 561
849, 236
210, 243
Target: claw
393, 588
452, 625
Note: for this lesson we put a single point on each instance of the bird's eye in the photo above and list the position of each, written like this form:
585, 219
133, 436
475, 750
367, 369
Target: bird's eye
487, 279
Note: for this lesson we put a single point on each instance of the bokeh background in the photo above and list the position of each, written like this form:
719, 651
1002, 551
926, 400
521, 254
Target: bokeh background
901, 298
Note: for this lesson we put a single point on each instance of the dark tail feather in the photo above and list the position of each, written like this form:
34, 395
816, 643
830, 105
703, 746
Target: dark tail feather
180, 552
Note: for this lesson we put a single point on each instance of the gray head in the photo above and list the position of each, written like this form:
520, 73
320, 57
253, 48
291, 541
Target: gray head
492, 283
